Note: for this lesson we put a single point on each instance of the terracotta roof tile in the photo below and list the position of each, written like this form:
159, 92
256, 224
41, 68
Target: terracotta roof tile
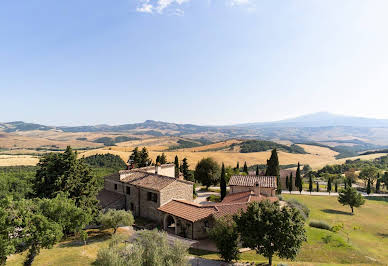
252, 180
148, 180
187, 210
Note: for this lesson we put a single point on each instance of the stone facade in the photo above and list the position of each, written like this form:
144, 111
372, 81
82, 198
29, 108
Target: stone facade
144, 202
266, 191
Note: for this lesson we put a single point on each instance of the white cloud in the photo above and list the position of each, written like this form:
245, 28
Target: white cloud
145, 8
159, 6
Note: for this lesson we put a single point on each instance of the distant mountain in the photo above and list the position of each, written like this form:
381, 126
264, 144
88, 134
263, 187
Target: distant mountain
323, 119
307, 128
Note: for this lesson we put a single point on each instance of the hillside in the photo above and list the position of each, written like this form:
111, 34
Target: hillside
313, 127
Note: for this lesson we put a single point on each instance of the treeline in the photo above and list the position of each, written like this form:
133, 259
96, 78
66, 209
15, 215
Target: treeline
106, 161
16, 181
264, 145
185, 144
107, 141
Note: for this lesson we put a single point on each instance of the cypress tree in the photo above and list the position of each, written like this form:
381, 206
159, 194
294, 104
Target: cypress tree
223, 182
279, 185
245, 168
350, 182
298, 179
368, 188
176, 166
310, 184
290, 184
336, 186
257, 170
238, 167
163, 159
378, 185
329, 185
185, 170
317, 186
273, 164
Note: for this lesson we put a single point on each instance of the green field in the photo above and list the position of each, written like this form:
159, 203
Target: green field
367, 245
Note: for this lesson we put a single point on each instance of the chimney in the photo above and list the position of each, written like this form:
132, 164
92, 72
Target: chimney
157, 169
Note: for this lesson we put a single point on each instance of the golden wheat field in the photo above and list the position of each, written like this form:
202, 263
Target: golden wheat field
16, 160
318, 157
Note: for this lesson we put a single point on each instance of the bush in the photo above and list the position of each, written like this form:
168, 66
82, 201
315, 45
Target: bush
214, 198
303, 209
320, 224
148, 248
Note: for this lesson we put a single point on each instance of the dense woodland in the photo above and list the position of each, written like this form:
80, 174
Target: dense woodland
263, 145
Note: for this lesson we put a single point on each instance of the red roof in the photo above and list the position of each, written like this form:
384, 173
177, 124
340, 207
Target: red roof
232, 204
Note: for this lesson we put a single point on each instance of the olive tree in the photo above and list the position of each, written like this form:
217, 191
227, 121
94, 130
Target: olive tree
116, 218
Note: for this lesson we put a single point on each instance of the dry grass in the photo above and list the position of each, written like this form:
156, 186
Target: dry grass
14, 160
320, 156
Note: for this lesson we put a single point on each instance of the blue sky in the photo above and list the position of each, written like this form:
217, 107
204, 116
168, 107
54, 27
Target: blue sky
191, 61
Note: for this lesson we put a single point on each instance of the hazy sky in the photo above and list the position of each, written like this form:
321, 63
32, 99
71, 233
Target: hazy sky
194, 61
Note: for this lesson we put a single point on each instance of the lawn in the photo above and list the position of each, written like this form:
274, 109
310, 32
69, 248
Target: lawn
367, 244
70, 252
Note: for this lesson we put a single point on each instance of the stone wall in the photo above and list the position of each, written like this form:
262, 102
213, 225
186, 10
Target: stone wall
110, 185
201, 227
263, 190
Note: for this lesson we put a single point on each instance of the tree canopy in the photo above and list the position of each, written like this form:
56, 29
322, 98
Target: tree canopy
62, 172
271, 230
224, 233
207, 172
351, 197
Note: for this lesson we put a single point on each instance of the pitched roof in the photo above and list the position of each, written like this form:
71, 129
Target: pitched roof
252, 180
187, 210
148, 180
141, 178
231, 204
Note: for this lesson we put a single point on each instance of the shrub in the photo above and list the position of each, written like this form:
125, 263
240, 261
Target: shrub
320, 224
303, 209
148, 248
214, 198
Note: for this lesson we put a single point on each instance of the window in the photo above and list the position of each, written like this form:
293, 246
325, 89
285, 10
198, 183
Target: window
115, 186
128, 191
152, 197
132, 207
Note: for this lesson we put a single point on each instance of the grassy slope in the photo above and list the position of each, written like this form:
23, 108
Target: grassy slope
70, 252
370, 240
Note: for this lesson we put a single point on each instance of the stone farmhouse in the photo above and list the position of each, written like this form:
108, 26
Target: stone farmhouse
154, 193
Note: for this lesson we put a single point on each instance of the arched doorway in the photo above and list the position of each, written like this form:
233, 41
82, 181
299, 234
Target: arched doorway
170, 224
